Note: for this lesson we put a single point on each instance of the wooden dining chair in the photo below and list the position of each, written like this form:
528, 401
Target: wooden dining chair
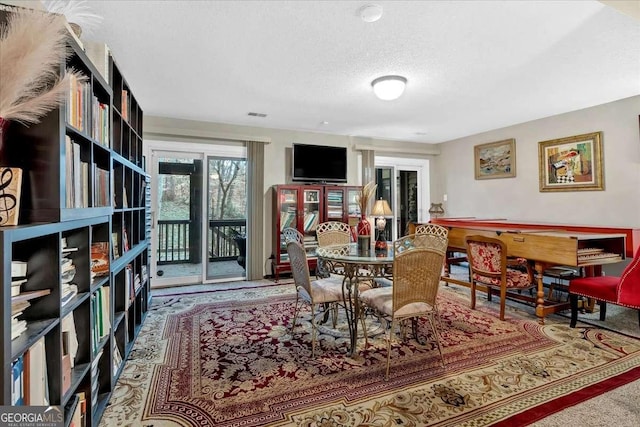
489, 267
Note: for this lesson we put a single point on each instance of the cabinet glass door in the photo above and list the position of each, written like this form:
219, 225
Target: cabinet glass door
335, 204
288, 217
311, 209
353, 207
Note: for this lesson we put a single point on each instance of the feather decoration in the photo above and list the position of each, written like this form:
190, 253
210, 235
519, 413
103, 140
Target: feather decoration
33, 47
77, 12
366, 194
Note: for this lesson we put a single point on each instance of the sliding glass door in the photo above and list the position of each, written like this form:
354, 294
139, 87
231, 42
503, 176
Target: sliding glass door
404, 183
199, 214
227, 217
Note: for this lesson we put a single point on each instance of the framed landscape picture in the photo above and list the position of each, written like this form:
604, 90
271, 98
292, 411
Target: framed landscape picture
573, 163
495, 159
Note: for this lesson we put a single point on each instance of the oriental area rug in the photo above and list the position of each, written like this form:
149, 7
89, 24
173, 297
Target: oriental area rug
227, 358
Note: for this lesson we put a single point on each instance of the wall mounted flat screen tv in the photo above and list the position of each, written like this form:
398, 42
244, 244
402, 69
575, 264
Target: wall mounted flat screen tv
318, 163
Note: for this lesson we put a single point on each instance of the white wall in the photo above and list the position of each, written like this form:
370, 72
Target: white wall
519, 198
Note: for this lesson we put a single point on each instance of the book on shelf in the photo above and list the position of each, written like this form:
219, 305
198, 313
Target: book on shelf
125, 240
79, 101
125, 202
69, 290
101, 186
16, 286
124, 106
68, 274
36, 385
114, 245
77, 176
68, 326
17, 308
18, 269
117, 357
65, 246
17, 328
99, 54
100, 303
66, 362
99, 259
129, 290
17, 382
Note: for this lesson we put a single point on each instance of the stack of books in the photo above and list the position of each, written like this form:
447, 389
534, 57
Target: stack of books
69, 289
99, 259
18, 278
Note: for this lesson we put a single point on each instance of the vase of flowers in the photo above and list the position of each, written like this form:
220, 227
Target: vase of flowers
364, 227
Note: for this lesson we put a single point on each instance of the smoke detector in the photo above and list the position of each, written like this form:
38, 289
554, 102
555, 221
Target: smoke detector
370, 12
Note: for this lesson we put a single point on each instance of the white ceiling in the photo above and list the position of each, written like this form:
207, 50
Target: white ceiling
471, 66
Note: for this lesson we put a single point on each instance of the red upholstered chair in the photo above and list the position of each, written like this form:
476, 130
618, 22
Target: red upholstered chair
623, 290
490, 267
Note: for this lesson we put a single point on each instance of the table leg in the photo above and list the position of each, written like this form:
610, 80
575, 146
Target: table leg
540, 268
348, 283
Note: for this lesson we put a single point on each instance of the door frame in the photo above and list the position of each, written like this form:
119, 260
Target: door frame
191, 150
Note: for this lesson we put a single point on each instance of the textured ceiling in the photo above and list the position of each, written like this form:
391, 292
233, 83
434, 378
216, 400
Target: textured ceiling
471, 66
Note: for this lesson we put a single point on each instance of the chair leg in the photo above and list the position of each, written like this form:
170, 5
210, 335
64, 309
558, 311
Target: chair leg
573, 301
638, 317
335, 314
435, 334
503, 300
295, 314
473, 295
313, 331
393, 325
603, 310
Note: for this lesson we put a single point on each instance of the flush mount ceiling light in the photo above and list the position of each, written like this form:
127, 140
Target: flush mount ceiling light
389, 87
370, 12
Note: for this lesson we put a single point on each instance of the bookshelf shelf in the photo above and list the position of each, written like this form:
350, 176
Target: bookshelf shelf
84, 188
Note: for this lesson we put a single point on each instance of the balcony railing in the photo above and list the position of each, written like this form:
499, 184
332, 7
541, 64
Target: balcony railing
174, 245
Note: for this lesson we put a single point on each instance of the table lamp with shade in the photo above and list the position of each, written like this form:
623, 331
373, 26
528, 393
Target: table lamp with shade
380, 211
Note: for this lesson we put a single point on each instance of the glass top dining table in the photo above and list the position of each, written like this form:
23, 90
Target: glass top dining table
356, 269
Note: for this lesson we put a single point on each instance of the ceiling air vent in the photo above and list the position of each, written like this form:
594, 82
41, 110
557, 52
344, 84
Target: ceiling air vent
257, 114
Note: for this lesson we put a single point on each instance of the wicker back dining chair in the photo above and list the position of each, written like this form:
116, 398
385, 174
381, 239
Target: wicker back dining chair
323, 293
434, 229
426, 235
417, 266
292, 235
333, 233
